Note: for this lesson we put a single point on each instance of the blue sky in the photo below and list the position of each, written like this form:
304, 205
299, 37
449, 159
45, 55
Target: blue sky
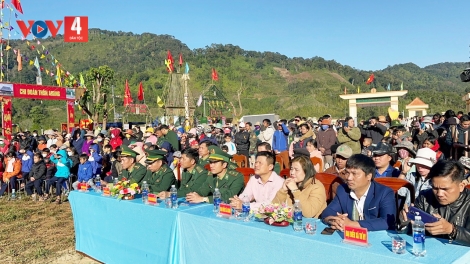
367, 35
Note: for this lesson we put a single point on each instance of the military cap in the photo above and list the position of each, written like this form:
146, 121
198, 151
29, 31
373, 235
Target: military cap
128, 152
217, 153
154, 155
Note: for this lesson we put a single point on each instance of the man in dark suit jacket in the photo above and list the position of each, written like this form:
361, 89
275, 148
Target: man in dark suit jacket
361, 202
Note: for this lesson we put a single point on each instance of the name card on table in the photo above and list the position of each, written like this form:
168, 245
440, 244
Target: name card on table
225, 210
356, 235
106, 191
152, 199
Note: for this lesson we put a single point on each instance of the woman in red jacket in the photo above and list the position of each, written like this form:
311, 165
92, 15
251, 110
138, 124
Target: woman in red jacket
11, 173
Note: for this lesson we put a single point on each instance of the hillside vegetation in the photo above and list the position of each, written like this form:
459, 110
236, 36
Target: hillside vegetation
273, 82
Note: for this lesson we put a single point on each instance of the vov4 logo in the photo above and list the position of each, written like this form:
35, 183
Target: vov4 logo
75, 28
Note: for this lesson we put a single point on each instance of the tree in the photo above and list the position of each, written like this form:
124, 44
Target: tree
238, 113
100, 79
37, 114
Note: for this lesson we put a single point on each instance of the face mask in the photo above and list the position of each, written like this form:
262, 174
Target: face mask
35, 135
25, 157
325, 127
99, 139
208, 135
403, 153
70, 153
112, 136
44, 155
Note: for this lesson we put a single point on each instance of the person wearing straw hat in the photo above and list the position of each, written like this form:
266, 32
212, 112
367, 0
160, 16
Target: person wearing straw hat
229, 182
159, 176
405, 153
465, 162
87, 143
131, 170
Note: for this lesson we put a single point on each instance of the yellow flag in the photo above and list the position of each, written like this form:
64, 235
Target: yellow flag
160, 103
58, 79
42, 56
43, 48
47, 71
358, 89
31, 62
27, 42
56, 61
8, 47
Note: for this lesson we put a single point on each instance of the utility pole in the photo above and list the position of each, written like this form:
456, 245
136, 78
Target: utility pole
114, 105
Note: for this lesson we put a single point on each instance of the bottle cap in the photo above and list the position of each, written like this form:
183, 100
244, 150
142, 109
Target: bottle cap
173, 186
417, 218
296, 201
216, 189
144, 182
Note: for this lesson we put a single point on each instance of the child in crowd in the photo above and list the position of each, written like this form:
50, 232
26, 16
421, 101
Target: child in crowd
85, 172
36, 176
95, 159
63, 164
50, 167
367, 147
224, 148
232, 149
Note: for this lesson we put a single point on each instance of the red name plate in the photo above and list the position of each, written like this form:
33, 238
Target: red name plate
83, 187
152, 199
106, 191
225, 210
356, 235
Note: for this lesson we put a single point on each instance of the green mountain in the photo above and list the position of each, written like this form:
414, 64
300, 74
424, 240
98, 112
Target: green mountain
271, 82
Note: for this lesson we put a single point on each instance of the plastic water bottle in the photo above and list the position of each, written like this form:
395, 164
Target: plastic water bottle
297, 216
246, 206
419, 237
217, 200
97, 183
13, 194
145, 192
174, 197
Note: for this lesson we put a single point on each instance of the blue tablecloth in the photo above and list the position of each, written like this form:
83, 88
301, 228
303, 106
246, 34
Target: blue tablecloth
119, 231
115, 231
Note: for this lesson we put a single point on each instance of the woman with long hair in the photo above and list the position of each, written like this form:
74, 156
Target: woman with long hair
302, 186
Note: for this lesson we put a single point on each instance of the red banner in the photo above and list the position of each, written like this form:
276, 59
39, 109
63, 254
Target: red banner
70, 116
7, 124
30, 91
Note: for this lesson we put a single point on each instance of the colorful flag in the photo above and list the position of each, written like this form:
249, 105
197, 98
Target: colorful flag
160, 103
181, 59
140, 95
127, 95
358, 89
388, 87
36, 63
18, 59
169, 62
199, 101
401, 86
186, 68
371, 79
58, 77
17, 5
215, 76
3, 4
82, 81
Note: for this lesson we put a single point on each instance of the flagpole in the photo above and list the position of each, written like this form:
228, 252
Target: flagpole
8, 43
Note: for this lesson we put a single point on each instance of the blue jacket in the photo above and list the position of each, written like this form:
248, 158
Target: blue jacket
97, 162
63, 164
85, 171
26, 165
379, 207
280, 139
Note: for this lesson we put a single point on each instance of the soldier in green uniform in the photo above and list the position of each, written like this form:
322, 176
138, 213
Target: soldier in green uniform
159, 176
160, 137
229, 182
193, 176
135, 172
204, 152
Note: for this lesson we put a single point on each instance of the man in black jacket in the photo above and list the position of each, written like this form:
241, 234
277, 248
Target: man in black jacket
36, 176
448, 200
242, 141
374, 130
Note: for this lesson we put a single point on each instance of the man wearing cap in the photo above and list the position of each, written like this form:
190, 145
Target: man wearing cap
382, 156
159, 176
343, 153
219, 134
374, 130
135, 172
193, 175
242, 141
229, 182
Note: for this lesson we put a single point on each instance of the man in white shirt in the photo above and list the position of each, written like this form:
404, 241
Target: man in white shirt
263, 186
268, 133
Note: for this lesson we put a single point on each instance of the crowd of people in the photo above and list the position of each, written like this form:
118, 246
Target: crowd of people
430, 152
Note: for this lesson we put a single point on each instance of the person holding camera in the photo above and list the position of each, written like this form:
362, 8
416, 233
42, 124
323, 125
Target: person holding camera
350, 135
374, 130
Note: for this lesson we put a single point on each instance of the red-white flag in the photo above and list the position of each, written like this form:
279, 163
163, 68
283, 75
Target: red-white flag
371, 79
140, 95
127, 95
17, 5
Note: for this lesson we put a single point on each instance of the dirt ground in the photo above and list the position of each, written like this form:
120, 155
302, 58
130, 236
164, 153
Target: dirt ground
37, 232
